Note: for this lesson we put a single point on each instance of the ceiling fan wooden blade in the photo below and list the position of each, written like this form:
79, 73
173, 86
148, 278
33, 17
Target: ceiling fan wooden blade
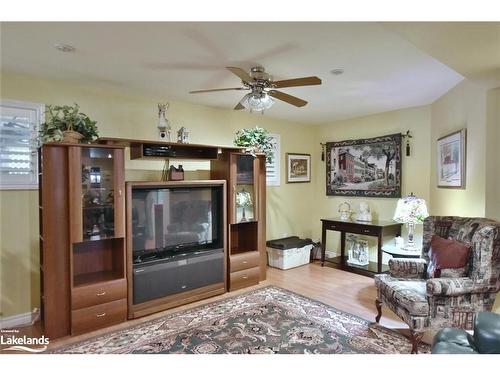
293, 100
239, 106
212, 90
305, 81
244, 76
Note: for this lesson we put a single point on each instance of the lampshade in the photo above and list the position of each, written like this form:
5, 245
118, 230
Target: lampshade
255, 101
243, 198
411, 209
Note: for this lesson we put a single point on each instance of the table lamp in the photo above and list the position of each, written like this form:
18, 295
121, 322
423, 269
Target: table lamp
410, 210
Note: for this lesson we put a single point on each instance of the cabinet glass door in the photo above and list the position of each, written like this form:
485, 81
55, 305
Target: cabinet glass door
98, 202
244, 189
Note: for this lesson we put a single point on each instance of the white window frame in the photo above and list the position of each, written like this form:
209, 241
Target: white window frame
276, 162
39, 109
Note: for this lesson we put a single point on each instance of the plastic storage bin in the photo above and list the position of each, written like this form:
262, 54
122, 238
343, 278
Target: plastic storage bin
289, 252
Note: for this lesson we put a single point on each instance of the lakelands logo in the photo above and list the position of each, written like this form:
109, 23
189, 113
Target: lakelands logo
23, 343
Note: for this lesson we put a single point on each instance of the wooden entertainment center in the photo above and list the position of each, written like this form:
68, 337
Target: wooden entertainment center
85, 249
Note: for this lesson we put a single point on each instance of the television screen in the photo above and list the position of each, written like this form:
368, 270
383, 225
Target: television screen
176, 218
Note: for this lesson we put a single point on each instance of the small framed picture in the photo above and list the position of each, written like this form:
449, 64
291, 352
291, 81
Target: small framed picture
358, 250
451, 159
298, 167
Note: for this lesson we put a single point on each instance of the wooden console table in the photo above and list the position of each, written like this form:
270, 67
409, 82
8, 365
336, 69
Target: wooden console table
376, 228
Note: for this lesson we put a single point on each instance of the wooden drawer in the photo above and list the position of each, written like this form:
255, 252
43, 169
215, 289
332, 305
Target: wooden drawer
244, 261
242, 279
99, 316
369, 231
354, 228
96, 294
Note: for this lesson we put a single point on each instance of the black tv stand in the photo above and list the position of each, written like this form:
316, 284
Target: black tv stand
177, 273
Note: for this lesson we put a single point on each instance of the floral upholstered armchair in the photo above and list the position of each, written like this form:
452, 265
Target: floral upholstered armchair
449, 301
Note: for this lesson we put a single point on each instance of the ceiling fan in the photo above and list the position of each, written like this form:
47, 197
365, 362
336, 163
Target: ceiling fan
262, 89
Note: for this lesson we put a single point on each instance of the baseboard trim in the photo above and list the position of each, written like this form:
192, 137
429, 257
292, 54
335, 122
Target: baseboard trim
16, 320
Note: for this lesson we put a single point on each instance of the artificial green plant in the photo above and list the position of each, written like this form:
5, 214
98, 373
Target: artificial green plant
62, 118
256, 140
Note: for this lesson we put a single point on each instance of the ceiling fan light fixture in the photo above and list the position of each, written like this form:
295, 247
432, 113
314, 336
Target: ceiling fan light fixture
257, 101
262, 89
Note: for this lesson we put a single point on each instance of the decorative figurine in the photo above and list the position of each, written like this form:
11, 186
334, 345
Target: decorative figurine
183, 135
110, 198
96, 201
96, 233
164, 128
399, 242
364, 214
345, 211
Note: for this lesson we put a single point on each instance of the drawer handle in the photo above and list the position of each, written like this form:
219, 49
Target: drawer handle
100, 315
366, 230
101, 294
245, 262
244, 277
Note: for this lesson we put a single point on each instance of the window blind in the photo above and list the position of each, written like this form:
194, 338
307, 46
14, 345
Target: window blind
273, 169
18, 144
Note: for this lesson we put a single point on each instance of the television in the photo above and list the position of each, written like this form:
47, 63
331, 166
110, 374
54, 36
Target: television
172, 219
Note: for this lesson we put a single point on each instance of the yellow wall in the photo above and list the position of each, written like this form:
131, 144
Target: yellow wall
19, 257
121, 114
493, 155
470, 106
493, 163
415, 168
292, 208
462, 107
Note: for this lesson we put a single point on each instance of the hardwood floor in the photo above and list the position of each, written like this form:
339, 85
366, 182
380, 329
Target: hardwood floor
345, 291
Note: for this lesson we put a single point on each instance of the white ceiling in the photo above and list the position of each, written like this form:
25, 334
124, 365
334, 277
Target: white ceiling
470, 48
383, 71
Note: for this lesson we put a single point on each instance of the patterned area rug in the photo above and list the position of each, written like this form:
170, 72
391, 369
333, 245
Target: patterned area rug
267, 320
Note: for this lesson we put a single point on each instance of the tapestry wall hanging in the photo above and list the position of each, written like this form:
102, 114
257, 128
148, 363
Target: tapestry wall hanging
364, 167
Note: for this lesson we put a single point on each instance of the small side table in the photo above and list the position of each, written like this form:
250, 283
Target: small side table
397, 252
376, 228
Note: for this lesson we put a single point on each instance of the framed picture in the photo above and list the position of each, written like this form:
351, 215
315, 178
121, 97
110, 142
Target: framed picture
451, 159
364, 167
358, 250
298, 167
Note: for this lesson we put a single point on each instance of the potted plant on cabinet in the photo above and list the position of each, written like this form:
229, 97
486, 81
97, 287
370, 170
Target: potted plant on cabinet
67, 124
256, 141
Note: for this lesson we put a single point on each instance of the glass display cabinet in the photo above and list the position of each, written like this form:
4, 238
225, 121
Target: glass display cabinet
246, 180
82, 238
98, 194
97, 215
244, 188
